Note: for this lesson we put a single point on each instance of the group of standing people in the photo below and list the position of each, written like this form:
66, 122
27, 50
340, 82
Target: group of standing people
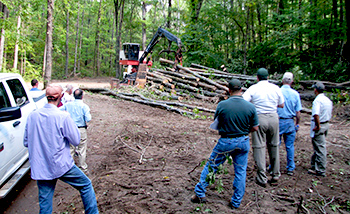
271, 114
54, 136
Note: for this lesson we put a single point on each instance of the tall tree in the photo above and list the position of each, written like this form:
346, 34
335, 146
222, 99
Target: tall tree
5, 14
67, 41
76, 42
15, 60
49, 31
97, 43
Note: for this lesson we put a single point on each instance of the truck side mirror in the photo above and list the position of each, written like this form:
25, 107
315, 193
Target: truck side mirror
10, 113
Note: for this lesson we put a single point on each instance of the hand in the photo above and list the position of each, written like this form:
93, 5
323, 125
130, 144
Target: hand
317, 128
297, 127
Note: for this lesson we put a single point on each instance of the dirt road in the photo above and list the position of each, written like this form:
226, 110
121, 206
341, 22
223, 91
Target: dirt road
147, 160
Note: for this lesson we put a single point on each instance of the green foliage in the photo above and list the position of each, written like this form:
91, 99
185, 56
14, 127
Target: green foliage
339, 96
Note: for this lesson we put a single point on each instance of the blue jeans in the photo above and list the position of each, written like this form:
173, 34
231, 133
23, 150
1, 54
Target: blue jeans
238, 148
287, 132
77, 179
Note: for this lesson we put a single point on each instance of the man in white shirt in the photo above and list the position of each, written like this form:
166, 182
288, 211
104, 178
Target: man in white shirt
266, 97
67, 96
321, 114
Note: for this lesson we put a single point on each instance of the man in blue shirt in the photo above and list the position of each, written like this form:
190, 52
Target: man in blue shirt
35, 85
80, 113
291, 109
236, 118
48, 134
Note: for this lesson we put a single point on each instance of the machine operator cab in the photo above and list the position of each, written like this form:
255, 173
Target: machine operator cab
129, 57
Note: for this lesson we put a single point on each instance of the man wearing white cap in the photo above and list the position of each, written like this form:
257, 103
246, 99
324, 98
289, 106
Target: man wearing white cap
291, 109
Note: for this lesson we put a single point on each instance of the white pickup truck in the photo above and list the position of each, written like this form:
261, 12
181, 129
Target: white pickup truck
16, 103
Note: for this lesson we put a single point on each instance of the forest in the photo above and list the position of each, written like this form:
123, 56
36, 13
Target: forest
59, 39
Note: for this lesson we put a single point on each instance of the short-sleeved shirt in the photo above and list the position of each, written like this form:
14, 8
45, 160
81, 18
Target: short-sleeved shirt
35, 89
236, 117
79, 111
47, 135
265, 96
292, 103
67, 98
322, 106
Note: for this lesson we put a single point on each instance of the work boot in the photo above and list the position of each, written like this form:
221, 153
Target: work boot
198, 200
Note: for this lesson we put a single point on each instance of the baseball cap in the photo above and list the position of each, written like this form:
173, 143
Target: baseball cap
53, 92
288, 76
262, 72
235, 84
319, 86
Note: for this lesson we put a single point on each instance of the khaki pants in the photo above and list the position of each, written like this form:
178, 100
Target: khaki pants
80, 150
267, 135
319, 158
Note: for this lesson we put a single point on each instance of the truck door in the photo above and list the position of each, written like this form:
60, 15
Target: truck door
12, 152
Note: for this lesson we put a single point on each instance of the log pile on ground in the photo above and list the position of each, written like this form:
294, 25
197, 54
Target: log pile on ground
197, 81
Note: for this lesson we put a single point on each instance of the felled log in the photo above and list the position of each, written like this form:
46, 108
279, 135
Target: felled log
169, 102
207, 68
178, 79
150, 103
190, 88
195, 74
161, 81
328, 85
165, 79
206, 86
173, 73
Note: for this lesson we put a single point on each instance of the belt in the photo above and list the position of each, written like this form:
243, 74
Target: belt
285, 118
233, 135
324, 122
82, 127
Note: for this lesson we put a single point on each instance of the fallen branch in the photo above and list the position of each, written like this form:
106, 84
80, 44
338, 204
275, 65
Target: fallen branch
150, 103
144, 150
135, 150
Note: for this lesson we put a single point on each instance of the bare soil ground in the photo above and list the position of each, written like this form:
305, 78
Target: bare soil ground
147, 160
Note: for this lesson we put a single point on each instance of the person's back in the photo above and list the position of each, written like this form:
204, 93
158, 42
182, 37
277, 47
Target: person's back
235, 115
49, 121
264, 95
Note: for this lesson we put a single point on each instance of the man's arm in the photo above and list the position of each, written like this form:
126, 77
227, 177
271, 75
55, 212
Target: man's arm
297, 121
317, 122
281, 105
254, 128
71, 131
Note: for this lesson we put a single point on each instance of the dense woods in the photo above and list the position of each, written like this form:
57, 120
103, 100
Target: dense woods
58, 39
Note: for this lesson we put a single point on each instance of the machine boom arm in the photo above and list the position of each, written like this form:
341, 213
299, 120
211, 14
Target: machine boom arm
156, 38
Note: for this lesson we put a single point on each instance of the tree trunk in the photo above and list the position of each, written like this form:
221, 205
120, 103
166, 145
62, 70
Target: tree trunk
169, 14
76, 43
48, 67
246, 36
143, 25
67, 42
81, 35
5, 13
97, 44
112, 46
347, 45
15, 61
117, 45
118, 24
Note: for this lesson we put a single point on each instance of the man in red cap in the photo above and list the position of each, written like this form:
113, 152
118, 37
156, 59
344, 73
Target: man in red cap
48, 134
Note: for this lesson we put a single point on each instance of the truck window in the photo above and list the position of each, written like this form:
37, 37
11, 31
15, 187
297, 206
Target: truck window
18, 92
4, 99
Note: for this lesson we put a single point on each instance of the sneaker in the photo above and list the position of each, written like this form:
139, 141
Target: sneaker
314, 172
273, 182
198, 200
290, 173
260, 184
